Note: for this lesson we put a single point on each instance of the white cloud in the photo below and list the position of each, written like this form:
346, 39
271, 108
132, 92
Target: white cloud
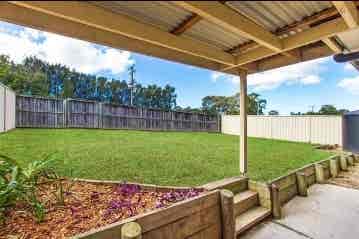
310, 80
216, 76
306, 73
350, 84
83, 56
349, 67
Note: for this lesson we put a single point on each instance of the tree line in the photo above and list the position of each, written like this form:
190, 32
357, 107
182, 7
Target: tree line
230, 104
36, 77
323, 110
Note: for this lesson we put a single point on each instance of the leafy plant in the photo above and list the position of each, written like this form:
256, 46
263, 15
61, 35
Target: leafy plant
19, 183
62, 188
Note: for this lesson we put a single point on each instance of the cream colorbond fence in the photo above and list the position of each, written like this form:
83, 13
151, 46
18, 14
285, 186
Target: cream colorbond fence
7, 109
313, 129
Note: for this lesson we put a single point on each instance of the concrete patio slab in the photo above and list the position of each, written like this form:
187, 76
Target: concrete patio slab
272, 230
329, 212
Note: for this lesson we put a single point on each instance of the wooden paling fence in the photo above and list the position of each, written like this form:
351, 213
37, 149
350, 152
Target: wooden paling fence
40, 112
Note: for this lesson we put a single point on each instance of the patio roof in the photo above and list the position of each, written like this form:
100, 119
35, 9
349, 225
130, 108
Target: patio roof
226, 36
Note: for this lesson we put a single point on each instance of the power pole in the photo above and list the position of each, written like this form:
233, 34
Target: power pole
312, 107
132, 81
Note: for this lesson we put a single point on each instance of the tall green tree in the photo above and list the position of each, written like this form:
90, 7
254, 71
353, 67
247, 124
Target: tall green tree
230, 104
328, 110
36, 77
256, 105
5, 67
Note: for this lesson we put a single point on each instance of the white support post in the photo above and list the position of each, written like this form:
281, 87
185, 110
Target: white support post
243, 123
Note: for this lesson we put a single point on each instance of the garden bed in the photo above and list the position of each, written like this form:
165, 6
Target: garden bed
86, 206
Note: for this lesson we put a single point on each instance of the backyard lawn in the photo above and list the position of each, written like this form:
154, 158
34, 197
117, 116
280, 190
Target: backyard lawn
164, 158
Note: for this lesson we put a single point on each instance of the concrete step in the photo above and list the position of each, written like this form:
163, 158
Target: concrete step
235, 184
251, 218
244, 201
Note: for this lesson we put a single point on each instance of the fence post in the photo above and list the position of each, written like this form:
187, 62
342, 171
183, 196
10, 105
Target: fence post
65, 113
276, 207
352, 156
131, 230
350, 160
334, 170
219, 123
302, 184
319, 173
100, 114
343, 163
56, 112
227, 208
356, 158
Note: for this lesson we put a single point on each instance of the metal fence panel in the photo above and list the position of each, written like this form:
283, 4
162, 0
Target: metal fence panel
10, 98
2, 109
313, 129
7, 109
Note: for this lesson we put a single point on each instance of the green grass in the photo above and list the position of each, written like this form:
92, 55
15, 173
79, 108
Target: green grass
165, 158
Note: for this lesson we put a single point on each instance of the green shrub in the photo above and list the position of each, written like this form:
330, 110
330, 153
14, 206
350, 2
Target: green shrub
19, 184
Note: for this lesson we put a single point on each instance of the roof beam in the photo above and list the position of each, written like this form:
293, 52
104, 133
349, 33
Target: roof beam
41, 21
233, 21
314, 34
308, 36
186, 24
348, 11
307, 22
305, 53
333, 45
97, 17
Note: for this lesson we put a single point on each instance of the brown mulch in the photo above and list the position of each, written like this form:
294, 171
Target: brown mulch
87, 206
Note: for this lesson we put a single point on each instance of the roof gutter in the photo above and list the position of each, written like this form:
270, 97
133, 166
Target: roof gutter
341, 57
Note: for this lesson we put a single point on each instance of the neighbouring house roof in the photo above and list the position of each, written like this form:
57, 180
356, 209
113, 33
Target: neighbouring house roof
227, 36
356, 112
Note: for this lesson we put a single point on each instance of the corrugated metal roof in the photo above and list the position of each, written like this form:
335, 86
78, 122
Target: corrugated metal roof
166, 16
356, 112
276, 14
214, 35
163, 15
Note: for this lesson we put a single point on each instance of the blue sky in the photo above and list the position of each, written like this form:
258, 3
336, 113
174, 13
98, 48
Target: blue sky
294, 88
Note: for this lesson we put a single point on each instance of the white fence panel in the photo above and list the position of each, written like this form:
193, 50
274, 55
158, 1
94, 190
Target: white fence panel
313, 129
326, 130
2, 109
10, 110
258, 127
290, 128
7, 109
